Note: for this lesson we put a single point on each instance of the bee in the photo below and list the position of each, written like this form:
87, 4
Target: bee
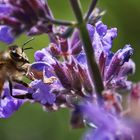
14, 64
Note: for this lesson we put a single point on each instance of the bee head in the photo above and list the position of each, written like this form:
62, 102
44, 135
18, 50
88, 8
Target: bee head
17, 54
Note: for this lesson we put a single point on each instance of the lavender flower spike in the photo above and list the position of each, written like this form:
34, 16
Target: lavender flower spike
26, 16
101, 122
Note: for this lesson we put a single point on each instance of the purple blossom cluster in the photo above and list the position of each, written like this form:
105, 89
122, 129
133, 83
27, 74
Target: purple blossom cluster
25, 16
61, 78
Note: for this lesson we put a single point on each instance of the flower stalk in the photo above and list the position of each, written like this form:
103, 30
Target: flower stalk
90, 9
60, 22
92, 65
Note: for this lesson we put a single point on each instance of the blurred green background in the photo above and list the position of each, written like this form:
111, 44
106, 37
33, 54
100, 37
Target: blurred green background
30, 122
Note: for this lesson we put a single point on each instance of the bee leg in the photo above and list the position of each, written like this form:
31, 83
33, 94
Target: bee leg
21, 96
21, 82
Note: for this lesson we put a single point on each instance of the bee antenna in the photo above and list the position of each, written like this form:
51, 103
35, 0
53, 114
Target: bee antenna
28, 48
27, 43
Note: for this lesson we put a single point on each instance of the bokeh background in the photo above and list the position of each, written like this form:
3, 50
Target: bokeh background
30, 122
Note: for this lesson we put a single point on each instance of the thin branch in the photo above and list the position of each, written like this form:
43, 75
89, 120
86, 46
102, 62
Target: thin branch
60, 22
77, 10
90, 9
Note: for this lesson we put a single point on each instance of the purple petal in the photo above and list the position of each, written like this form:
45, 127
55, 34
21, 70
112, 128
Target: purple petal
119, 58
103, 39
122, 83
9, 105
40, 67
125, 53
81, 58
75, 38
101, 124
44, 55
101, 28
107, 40
91, 30
6, 35
99, 134
98, 116
41, 92
62, 73
39, 55
5, 9
127, 68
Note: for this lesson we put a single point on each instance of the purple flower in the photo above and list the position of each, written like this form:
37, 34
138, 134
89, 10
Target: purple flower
105, 36
41, 92
26, 16
101, 28
65, 60
72, 75
114, 67
8, 104
6, 35
101, 37
5, 9
44, 56
101, 122
118, 67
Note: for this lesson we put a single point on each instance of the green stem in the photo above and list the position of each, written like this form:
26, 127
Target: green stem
60, 22
92, 65
90, 9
